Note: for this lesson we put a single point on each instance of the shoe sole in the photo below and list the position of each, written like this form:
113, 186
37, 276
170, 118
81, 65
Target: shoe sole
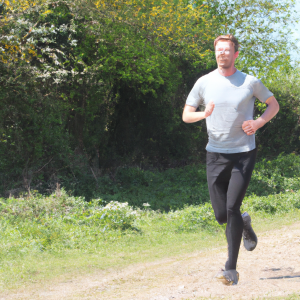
226, 280
250, 238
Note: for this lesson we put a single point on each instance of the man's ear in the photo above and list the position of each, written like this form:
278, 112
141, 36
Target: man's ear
236, 54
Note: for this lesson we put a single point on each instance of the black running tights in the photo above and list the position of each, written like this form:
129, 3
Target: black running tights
228, 176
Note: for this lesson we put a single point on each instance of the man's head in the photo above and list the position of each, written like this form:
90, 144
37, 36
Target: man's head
230, 38
226, 49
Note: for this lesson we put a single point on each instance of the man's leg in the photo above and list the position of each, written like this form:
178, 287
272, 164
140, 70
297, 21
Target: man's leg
219, 168
218, 171
239, 181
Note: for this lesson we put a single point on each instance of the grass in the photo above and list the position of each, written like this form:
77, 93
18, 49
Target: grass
174, 188
288, 297
37, 268
158, 240
59, 236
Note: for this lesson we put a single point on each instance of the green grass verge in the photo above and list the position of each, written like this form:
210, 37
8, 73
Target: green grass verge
57, 236
289, 297
160, 235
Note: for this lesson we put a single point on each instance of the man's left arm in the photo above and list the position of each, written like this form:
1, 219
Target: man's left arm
251, 126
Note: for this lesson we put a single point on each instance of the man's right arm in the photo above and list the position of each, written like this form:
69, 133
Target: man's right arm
190, 115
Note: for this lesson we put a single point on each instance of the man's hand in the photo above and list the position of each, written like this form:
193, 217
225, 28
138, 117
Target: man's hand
190, 115
251, 126
209, 109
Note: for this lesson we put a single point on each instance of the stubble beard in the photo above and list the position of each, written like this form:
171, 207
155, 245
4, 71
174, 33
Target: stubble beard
224, 66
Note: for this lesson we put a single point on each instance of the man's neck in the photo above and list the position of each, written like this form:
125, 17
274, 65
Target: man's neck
227, 72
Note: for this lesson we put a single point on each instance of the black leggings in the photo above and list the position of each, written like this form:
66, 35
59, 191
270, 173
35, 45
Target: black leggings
228, 176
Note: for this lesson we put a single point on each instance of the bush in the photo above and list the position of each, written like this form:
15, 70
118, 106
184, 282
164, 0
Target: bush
113, 216
166, 190
59, 222
174, 188
281, 134
276, 176
193, 218
273, 204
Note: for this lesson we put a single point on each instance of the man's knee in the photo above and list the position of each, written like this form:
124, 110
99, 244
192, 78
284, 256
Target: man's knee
233, 211
221, 218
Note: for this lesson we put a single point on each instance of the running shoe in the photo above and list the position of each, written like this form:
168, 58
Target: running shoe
249, 236
229, 277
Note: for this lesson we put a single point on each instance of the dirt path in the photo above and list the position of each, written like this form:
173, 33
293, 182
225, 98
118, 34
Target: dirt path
273, 269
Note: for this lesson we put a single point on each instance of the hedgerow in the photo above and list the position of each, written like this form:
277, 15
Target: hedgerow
59, 222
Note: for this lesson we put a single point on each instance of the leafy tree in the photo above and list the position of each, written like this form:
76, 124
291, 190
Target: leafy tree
263, 29
90, 85
282, 134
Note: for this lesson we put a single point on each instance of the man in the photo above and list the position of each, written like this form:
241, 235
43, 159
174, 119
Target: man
228, 96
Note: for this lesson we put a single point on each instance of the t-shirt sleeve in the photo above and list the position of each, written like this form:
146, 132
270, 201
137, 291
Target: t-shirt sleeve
195, 97
260, 91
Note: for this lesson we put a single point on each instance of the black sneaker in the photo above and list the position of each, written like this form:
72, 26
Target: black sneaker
249, 236
229, 277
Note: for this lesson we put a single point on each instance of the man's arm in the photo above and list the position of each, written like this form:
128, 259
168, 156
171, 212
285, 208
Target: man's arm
190, 115
251, 126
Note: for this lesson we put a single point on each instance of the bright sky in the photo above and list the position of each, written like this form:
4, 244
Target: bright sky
296, 54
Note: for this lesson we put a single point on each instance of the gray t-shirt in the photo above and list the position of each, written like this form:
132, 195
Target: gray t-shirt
234, 98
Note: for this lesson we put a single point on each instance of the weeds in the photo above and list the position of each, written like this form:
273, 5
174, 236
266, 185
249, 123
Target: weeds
58, 224
36, 225
175, 188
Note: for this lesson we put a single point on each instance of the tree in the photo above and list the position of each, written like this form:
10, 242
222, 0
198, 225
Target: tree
263, 29
106, 80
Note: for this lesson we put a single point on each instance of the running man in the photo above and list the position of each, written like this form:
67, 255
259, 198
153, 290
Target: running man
228, 96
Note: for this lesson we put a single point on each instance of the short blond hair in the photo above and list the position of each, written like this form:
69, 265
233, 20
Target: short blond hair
228, 37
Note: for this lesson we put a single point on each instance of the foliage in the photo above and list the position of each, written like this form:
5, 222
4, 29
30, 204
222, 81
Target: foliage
265, 45
60, 222
113, 216
276, 176
87, 86
282, 133
193, 218
174, 188
182, 192
78, 79
273, 204
166, 190
36, 225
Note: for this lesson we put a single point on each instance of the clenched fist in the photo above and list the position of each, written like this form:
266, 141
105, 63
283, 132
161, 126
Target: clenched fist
209, 109
250, 127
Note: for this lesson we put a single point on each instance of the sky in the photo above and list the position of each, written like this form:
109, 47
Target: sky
296, 54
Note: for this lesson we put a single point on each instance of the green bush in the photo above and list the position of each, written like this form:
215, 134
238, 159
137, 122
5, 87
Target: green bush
193, 218
273, 204
276, 176
281, 134
113, 216
174, 188
170, 189
59, 222
136, 202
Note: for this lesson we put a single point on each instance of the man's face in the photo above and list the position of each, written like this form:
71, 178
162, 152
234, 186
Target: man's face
225, 54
